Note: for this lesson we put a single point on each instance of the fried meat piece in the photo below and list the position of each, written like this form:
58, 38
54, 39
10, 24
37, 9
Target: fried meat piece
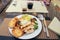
17, 32
13, 22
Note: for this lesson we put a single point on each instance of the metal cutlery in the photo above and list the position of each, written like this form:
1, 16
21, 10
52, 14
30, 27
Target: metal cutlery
46, 28
42, 20
44, 24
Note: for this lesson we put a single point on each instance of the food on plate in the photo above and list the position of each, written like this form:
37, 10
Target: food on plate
33, 20
13, 22
29, 29
36, 25
26, 17
17, 32
26, 24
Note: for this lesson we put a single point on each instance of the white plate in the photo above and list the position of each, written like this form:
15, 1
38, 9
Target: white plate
32, 35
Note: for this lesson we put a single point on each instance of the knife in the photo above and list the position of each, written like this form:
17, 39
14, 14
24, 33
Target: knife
46, 27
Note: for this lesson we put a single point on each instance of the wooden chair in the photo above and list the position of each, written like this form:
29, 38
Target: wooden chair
57, 9
4, 4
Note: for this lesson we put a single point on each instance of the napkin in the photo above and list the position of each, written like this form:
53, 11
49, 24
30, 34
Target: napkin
55, 25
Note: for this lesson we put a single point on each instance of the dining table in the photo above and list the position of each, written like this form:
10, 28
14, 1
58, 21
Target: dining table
4, 31
14, 10
38, 7
55, 7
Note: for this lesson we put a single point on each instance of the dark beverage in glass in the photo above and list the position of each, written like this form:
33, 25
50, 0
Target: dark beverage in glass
30, 5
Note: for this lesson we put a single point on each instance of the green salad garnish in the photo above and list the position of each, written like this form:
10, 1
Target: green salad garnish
36, 25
